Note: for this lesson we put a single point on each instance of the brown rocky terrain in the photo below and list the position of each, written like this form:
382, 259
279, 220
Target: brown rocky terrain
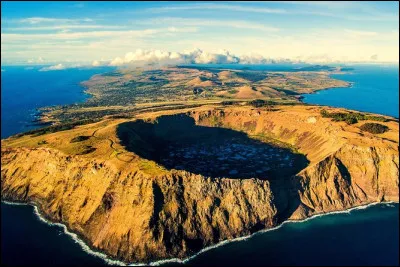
137, 210
128, 89
200, 81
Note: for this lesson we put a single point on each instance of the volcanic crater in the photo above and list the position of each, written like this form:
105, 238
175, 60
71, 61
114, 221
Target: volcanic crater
161, 186
176, 142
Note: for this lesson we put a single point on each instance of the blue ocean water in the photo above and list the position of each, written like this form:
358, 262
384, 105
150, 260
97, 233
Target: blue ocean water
375, 89
365, 237
24, 89
27, 241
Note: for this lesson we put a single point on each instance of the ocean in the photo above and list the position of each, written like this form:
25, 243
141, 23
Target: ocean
364, 237
24, 89
374, 89
367, 236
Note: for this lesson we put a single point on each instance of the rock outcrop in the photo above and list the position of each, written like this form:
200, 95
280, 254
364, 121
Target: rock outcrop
137, 211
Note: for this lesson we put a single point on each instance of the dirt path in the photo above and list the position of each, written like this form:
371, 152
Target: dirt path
117, 153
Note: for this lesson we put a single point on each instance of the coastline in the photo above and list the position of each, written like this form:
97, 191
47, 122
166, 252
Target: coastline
44, 119
301, 97
109, 260
351, 84
92, 251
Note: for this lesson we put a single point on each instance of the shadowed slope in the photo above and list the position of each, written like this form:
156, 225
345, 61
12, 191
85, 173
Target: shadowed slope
176, 142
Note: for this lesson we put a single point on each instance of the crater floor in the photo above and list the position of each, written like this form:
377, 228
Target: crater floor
178, 143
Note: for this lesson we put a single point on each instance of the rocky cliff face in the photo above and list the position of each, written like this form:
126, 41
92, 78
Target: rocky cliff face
137, 215
347, 167
351, 176
131, 215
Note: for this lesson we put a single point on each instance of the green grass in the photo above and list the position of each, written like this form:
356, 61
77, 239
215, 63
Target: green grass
150, 167
86, 150
273, 141
374, 128
351, 117
233, 91
57, 128
43, 142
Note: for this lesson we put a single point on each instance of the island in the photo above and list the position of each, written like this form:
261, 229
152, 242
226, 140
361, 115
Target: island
221, 155
126, 90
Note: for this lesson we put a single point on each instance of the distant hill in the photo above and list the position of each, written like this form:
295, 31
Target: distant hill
316, 68
200, 81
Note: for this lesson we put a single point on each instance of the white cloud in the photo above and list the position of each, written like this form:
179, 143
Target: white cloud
101, 62
200, 57
196, 56
117, 62
38, 60
219, 6
254, 58
96, 63
65, 26
12, 37
37, 20
174, 34
148, 56
183, 29
360, 33
240, 24
344, 10
325, 4
163, 57
54, 67
374, 57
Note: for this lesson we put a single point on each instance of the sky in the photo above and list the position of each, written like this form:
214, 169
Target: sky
117, 33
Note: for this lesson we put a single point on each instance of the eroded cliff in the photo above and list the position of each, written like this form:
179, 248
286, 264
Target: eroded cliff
136, 210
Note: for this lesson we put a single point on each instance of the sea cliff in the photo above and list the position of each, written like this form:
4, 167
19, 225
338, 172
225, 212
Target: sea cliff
135, 210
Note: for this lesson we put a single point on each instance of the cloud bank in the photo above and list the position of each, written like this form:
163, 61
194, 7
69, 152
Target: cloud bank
38, 20
54, 67
159, 58
38, 60
197, 56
